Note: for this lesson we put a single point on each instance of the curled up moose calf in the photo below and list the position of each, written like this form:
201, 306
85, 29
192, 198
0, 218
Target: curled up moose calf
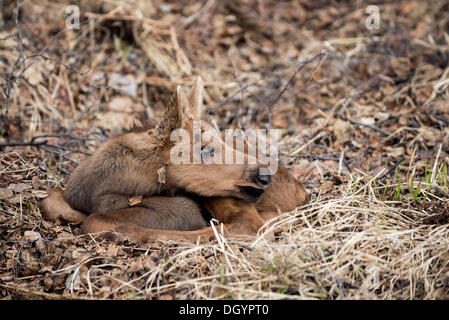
177, 199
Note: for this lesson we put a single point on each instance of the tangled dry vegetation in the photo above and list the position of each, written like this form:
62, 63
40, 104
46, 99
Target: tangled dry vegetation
364, 120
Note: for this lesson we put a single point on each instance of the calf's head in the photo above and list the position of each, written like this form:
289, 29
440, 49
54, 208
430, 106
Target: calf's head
196, 158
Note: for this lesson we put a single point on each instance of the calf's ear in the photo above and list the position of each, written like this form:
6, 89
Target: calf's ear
196, 98
172, 117
181, 110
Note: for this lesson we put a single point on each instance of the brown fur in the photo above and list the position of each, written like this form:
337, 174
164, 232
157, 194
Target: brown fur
138, 164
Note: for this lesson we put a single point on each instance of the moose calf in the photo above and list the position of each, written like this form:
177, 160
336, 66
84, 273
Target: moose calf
177, 199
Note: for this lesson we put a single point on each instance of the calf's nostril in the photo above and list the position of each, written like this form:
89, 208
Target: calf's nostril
263, 180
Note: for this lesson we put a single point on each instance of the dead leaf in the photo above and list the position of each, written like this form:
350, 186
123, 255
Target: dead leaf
33, 74
401, 66
31, 235
161, 175
302, 170
133, 201
112, 250
6, 193
64, 236
126, 83
16, 199
341, 130
326, 186
48, 282
136, 265
121, 104
39, 193
429, 134
37, 183
40, 245
79, 253
19, 187
149, 264
395, 152
7, 276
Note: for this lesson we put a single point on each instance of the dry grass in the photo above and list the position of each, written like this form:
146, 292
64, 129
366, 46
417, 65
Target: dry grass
365, 126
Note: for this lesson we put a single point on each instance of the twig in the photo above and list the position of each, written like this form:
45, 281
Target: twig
23, 144
302, 64
80, 138
386, 133
59, 154
383, 176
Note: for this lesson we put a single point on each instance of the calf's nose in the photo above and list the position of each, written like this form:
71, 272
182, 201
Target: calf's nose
263, 180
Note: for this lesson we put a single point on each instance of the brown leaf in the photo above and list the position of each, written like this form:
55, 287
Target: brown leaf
302, 170
58, 229
79, 253
37, 183
136, 265
40, 244
39, 193
7, 276
126, 83
6, 193
326, 186
161, 175
31, 235
19, 187
121, 104
341, 130
395, 152
401, 66
16, 199
133, 201
149, 264
112, 250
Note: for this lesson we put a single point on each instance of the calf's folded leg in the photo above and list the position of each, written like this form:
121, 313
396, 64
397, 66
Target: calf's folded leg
55, 208
156, 218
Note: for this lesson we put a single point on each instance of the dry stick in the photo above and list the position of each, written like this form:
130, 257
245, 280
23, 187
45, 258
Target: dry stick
41, 145
80, 138
23, 144
112, 16
302, 64
188, 20
434, 170
341, 158
440, 118
69, 129
228, 99
267, 109
386, 133
391, 169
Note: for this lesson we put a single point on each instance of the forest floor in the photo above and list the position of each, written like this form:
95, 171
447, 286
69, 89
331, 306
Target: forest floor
363, 116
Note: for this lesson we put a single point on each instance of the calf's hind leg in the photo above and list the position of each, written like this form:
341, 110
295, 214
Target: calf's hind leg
157, 218
55, 208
